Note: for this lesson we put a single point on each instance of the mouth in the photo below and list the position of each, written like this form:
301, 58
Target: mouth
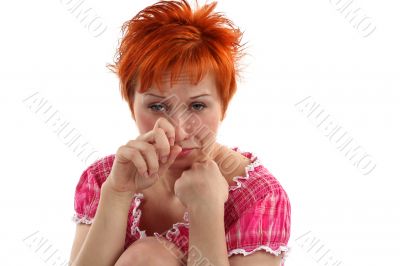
184, 147
189, 148
185, 152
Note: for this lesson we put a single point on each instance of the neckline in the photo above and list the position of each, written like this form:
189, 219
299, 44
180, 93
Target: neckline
174, 230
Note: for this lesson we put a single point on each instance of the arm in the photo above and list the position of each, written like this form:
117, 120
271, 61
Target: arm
106, 237
207, 235
207, 242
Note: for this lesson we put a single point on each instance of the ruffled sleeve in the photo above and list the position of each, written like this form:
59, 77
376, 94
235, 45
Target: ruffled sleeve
264, 226
258, 213
87, 191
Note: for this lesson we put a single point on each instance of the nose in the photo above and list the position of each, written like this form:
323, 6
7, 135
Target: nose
179, 124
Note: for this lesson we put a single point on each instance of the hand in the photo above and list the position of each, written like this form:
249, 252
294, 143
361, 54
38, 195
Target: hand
139, 164
202, 184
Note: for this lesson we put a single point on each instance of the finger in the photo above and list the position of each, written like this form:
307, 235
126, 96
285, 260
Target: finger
136, 157
168, 128
161, 144
175, 150
149, 153
164, 125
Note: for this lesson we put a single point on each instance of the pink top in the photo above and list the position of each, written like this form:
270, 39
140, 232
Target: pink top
257, 212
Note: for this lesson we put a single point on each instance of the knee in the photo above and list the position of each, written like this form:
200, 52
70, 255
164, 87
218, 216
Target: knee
149, 251
137, 254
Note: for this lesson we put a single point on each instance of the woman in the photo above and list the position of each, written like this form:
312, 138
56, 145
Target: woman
173, 194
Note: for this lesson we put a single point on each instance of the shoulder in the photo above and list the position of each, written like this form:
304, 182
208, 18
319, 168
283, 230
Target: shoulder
256, 184
243, 166
97, 172
102, 166
255, 175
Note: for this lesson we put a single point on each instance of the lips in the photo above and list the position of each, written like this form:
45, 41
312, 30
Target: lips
189, 148
185, 152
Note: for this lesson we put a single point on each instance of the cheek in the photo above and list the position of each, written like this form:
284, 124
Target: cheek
210, 122
144, 121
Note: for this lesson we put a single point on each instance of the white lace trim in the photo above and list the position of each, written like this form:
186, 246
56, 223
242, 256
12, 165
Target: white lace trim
186, 216
249, 168
277, 252
174, 231
137, 213
84, 219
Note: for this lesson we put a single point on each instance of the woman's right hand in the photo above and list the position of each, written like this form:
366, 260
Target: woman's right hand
139, 164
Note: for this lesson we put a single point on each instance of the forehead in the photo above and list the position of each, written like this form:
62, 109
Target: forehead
182, 83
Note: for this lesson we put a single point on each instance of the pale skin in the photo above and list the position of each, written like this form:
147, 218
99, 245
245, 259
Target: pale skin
171, 184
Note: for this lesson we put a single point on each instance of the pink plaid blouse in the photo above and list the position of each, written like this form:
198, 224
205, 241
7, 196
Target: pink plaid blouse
257, 212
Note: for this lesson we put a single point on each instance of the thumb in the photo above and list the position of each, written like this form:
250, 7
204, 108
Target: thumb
175, 150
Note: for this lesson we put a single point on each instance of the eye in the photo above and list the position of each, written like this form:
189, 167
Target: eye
198, 106
158, 107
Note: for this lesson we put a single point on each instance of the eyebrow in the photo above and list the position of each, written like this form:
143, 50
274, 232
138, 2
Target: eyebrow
193, 97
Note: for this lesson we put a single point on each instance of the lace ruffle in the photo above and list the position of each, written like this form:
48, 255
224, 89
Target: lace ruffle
285, 249
86, 220
254, 162
174, 231
137, 213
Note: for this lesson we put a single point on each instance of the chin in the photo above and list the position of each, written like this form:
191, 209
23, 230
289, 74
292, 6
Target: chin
184, 162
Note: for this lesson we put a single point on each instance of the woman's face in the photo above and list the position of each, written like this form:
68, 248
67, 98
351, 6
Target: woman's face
193, 110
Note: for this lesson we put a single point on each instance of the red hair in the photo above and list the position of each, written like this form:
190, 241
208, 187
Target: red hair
169, 36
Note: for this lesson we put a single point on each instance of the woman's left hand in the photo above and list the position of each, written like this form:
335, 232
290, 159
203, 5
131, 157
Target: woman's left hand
202, 185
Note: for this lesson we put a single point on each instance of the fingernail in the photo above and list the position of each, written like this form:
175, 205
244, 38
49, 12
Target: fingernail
164, 159
146, 175
155, 175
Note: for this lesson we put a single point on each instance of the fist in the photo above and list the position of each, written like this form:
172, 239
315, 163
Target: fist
202, 184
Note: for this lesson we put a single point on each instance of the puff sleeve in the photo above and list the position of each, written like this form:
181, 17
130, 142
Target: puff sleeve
87, 191
263, 226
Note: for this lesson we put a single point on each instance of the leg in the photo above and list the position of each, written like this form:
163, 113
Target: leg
151, 251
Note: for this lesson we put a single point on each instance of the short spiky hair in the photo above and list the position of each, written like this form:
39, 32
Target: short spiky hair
169, 36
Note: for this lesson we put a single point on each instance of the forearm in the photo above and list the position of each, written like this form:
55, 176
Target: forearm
207, 236
105, 240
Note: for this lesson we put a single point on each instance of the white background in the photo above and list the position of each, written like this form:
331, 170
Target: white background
297, 49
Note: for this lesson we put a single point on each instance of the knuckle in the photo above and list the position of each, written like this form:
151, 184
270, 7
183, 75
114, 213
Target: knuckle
130, 143
153, 165
141, 169
153, 170
120, 148
119, 151
158, 130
